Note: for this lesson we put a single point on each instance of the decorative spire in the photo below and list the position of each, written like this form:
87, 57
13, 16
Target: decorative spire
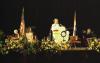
23, 12
22, 24
74, 29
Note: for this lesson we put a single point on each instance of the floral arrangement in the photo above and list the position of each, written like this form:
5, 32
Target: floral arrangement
18, 45
94, 44
21, 46
54, 46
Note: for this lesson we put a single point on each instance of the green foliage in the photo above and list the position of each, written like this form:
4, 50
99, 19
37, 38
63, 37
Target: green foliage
22, 46
93, 44
52, 46
1, 34
19, 46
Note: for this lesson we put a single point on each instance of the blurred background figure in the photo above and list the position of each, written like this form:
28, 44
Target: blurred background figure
86, 35
31, 38
89, 33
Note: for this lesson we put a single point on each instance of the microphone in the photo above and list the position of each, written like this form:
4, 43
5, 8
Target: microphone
60, 24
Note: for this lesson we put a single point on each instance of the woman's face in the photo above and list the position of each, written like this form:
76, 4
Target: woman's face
88, 30
56, 21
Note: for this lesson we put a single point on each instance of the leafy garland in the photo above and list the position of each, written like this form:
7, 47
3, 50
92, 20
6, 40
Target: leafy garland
22, 46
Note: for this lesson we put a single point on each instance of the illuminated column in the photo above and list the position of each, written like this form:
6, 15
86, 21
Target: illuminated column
22, 25
74, 28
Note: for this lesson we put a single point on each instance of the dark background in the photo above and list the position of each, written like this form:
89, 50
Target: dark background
39, 14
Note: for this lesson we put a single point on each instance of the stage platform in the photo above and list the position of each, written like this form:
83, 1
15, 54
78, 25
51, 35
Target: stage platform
74, 55
78, 49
